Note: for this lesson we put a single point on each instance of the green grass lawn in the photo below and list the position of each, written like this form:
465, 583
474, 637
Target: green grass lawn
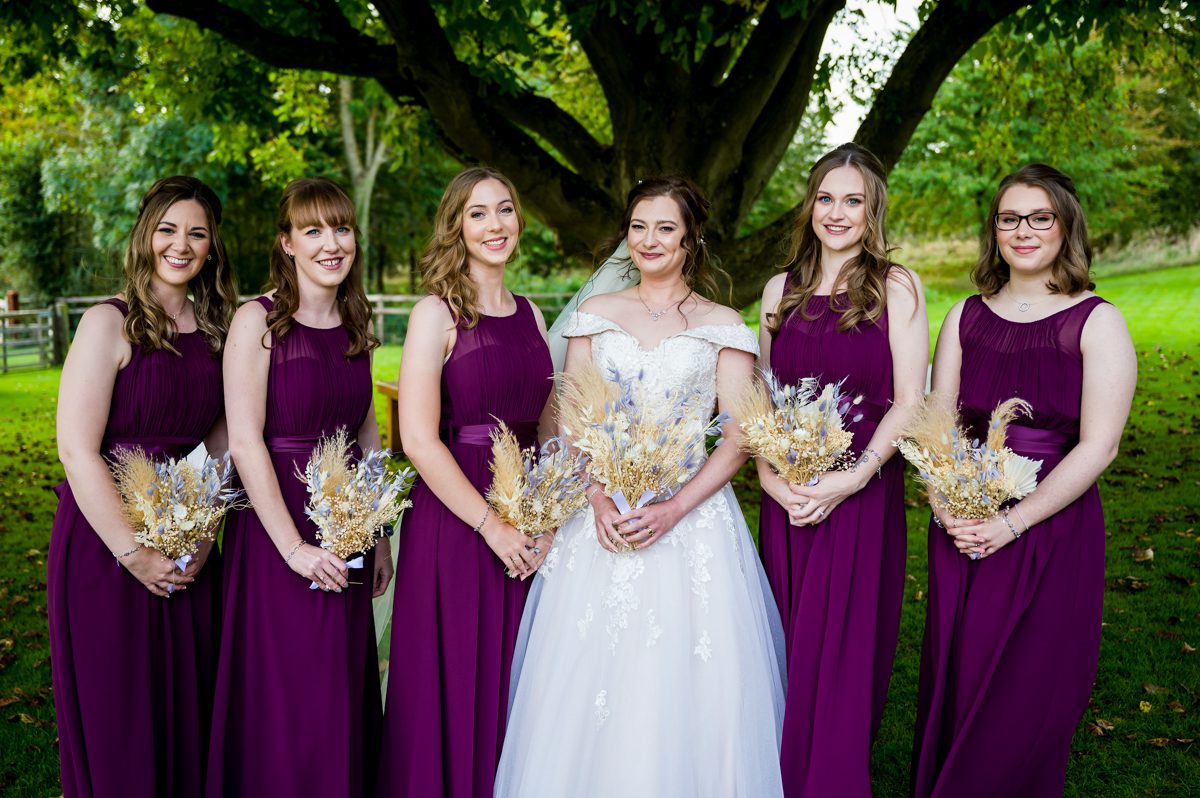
1136, 738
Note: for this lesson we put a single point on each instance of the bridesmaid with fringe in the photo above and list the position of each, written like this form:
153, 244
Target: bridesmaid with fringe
133, 640
834, 551
475, 354
1012, 638
298, 708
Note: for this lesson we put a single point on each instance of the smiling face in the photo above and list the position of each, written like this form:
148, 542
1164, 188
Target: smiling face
323, 253
490, 225
655, 235
1025, 250
839, 214
180, 243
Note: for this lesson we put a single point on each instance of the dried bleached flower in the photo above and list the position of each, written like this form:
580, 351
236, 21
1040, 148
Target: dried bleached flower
798, 429
965, 477
534, 490
351, 502
173, 506
641, 445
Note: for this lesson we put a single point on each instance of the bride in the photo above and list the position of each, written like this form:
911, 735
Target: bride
650, 660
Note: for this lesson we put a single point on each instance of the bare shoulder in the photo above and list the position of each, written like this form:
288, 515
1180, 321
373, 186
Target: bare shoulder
103, 319
773, 290
1105, 324
431, 310
603, 304
252, 314
713, 313
537, 314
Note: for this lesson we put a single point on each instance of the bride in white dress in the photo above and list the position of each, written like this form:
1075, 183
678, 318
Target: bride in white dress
655, 671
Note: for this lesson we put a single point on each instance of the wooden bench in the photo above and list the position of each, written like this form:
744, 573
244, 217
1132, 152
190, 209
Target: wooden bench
391, 391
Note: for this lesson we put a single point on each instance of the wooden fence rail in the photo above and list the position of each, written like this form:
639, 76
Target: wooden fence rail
40, 338
28, 339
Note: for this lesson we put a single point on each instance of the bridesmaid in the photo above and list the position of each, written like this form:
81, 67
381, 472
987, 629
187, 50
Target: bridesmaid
133, 671
834, 552
475, 352
297, 707
1012, 640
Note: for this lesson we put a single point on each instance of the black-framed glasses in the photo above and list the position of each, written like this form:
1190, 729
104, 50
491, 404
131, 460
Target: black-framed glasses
1041, 220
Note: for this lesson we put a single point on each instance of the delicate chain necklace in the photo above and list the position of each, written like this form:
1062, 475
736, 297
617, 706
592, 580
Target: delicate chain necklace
655, 315
1023, 305
174, 316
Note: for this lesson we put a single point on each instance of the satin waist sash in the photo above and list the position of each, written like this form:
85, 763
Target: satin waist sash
481, 434
1033, 441
299, 444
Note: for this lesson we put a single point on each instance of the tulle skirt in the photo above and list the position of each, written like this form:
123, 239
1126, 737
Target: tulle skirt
649, 673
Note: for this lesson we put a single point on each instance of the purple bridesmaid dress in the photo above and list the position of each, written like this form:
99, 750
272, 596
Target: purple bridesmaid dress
839, 584
1012, 641
133, 673
297, 709
456, 613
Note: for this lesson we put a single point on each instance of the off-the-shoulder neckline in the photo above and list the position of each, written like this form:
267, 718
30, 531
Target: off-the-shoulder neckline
686, 331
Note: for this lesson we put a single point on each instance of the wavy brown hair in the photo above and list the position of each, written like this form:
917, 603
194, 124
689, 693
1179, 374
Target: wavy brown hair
700, 266
444, 267
863, 277
1071, 272
315, 202
213, 290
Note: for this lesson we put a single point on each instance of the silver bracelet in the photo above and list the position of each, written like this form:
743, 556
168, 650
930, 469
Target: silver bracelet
125, 554
1017, 510
287, 558
862, 457
1008, 522
479, 527
592, 493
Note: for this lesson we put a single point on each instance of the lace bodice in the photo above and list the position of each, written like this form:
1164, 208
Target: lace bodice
684, 361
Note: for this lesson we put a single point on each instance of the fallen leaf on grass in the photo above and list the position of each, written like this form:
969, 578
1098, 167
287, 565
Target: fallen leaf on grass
7, 700
1186, 649
1099, 727
1163, 742
1130, 583
1153, 689
1175, 706
1164, 634
1143, 555
1145, 706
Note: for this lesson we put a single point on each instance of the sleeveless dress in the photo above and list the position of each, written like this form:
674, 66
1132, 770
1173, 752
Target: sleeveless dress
456, 613
297, 706
656, 672
133, 673
839, 583
1012, 641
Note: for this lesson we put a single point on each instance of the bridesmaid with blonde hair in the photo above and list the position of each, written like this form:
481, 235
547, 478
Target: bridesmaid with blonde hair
475, 354
835, 550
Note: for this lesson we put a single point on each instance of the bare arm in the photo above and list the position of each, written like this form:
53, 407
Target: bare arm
546, 422
772, 484
908, 340
97, 354
425, 348
247, 365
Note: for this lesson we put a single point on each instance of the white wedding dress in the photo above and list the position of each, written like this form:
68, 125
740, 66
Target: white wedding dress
656, 672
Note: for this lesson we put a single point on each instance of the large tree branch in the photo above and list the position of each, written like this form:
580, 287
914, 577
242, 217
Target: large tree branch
354, 52
948, 33
763, 64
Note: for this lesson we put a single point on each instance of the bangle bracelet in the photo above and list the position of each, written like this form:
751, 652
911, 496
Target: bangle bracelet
1024, 523
937, 522
479, 527
287, 558
1008, 522
593, 492
862, 458
123, 555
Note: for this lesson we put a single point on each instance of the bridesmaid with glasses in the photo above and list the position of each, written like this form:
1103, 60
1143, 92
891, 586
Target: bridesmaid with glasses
1012, 630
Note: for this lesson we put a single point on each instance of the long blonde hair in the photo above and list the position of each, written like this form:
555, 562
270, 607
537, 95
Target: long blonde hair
214, 293
863, 277
315, 201
444, 266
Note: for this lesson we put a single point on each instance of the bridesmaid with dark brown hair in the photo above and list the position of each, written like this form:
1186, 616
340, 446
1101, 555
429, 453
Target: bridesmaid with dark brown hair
297, 707
133, 640
1012, 630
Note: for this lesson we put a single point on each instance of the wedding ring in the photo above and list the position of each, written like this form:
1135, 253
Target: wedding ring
650, 530
821, 511
975, 555
537, 550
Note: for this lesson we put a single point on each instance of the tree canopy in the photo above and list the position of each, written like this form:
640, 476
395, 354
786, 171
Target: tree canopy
576, 101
